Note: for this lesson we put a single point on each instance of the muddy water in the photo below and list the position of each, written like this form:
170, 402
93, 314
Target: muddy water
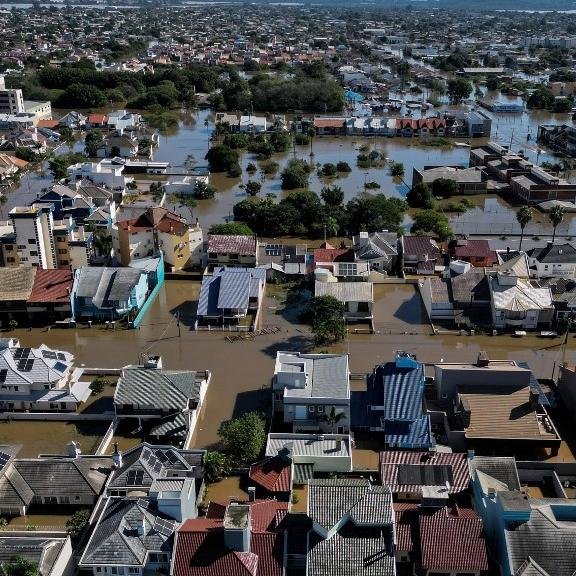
225, 489
242, 371
51, 437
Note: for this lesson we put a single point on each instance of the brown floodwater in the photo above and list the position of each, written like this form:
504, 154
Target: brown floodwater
225, 489
38, 437
242, 370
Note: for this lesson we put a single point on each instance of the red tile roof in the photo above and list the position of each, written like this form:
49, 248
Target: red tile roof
156, 218
476, 249
232, 244
265, 515
452, 540
390, 463
47, 124
405, 515
333, 255
199, 550
51, 286
420, 246
273, 474
328, 122
97, 118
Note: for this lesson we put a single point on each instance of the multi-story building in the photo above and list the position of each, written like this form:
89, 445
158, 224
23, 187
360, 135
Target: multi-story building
11, 100
34, 232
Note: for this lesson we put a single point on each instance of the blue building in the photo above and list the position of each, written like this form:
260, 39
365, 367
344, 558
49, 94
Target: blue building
101, 294
392, 404
528, 536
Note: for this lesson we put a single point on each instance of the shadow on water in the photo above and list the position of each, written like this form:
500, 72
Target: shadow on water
252, 400
300, 343
410, 311
186, 312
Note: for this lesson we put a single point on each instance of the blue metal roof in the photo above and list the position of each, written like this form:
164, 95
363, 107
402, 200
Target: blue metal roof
402, 390
415, 435
535, 386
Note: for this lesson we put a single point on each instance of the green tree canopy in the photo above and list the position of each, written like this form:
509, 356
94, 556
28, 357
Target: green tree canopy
420, 196
327, 319
295, 175
243, 438
458, 89
19, 566
233, 228
430, 221
221, 158
445, 187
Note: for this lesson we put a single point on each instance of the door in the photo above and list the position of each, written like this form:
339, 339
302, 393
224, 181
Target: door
301, 413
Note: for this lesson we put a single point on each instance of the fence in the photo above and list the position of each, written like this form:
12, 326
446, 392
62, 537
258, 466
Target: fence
149, 301
107, 438
56, 416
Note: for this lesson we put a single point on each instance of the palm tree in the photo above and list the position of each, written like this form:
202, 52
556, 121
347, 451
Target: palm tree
332, 418
556, 216
3, 200
524, 215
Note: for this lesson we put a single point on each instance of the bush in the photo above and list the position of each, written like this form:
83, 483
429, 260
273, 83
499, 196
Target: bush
343, 167
397, 169
235, 171
420, 196
78, 523
233, 228
270, 168
295, 175
222, 158
98, 384
216, 466
329, 170
302, 139
372, 186
253, 188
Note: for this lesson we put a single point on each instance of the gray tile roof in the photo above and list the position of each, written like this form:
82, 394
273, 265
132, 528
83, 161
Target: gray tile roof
547, 539
116, 539
330, 500
557, 253
309, 444
346, 291
328, 375
106, 285
41, 551
502, 469
165, 389
156, 462
377, 245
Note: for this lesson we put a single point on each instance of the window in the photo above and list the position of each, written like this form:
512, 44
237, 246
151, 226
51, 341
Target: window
21, 247
50, 500
311, 409
23, 259
62, 251
10, 259
98, 569
320, 409
64, 499
15, 388
114, 570
234, 256
9, 248
33, 253
31, 241
133, 570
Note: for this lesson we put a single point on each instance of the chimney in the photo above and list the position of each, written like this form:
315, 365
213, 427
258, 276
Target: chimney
73, 449
483, 360
252, 493
117, 456
237, 527
507, 249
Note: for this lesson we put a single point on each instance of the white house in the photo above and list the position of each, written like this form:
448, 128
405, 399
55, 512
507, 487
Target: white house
552, 261
252, 124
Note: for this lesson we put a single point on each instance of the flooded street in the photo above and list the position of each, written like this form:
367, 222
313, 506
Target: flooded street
242, 370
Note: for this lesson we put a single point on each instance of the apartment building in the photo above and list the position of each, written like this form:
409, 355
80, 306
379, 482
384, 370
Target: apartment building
11, 100
34, 232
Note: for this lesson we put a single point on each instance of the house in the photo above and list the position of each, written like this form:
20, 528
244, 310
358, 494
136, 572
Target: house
73, 120
102, 294
517, 303
121, 120
476, 252
283, 260
312, 391
330, 126
412, 475
51, 554
436, 298
553, 260
528, 535
106, 172
157, 229
273, 475
63, 481
231, 296
16, 285
118, 145
231, 250
165, 402
150, 468
96, 121
470, 180
378, 249
40, 379
49, 299
392, 405
338, 263
357, 297
246, 538
10, 165
353, 521
131, 535
420, 254
470, 292
436, 538
312, 453
252, 124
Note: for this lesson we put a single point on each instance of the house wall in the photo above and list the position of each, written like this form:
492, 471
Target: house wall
567, 387
64, 566
565, 270
176, 249
294, 413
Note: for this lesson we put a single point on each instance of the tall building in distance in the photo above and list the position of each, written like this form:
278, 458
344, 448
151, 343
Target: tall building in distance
34, 230
11, 100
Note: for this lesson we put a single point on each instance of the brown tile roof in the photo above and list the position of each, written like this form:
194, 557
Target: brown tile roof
476, 249
16, 283
503, 413
273, 474
48, 124
420, 246
232, 244
97, 118
333, 255
328, 122
51, 286
156, 218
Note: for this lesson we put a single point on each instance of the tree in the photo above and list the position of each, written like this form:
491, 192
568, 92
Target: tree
374, 213
295, 175
420, 196
326, 315
18, 566
541, 98
216, 466
332, 418
25, 153
253, 188
562, 105
102, 242
82, 96
92, 142
397, 169
59, 164
203, 191
458, 89
445, 187
556, 216
332, 195
233, 228
243, 438
524, 215
343, 167
3, 200
77, 523
221, 158
329, 170
428, 221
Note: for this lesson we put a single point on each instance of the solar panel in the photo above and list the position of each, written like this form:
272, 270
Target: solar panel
143, 503
60, 366
161, 456
50, 354
3, 374
157, 467
163, 527
171, 457
152, 460
134, 478
25, 364
146, 454
61, 356
3, 459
